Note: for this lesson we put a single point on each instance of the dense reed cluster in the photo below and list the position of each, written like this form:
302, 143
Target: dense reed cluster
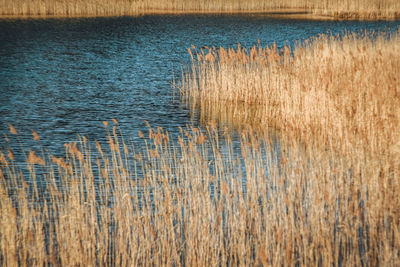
337, 94
325, 193
198, 200
364, 9
342, 92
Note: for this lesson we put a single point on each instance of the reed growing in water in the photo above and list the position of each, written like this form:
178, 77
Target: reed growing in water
334, 94
325, 194
194, 201
343, 92
364, 9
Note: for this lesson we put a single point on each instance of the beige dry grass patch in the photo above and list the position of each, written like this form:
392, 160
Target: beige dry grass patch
193, 201
340, 93
342, 9
204, 200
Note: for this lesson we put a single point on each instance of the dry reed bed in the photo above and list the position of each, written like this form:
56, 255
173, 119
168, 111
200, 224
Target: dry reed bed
194, 201
341, 93
198, 204
337, 94
347, 9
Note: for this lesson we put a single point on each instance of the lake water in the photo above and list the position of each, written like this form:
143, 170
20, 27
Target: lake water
63, 77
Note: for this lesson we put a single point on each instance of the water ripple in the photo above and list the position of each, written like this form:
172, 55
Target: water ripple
62, 77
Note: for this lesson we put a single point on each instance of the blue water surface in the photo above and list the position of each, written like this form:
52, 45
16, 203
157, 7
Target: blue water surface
63, 77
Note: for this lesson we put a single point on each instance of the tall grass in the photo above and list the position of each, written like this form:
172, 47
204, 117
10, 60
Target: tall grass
325, 194
195, 201
333, 94
342, 92
365, 9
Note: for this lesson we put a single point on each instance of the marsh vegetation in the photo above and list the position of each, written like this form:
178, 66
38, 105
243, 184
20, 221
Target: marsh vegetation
325, 193
347, 9
340, 91
197, 202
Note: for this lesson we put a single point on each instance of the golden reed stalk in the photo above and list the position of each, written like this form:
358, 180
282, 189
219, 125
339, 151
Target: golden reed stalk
345, 9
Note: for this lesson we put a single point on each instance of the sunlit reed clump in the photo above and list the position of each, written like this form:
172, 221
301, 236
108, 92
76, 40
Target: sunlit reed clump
343, 92
364, 9
337, 94
198, 200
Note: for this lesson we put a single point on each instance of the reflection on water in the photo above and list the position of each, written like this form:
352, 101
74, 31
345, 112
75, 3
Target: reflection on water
63, 77
231, 117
